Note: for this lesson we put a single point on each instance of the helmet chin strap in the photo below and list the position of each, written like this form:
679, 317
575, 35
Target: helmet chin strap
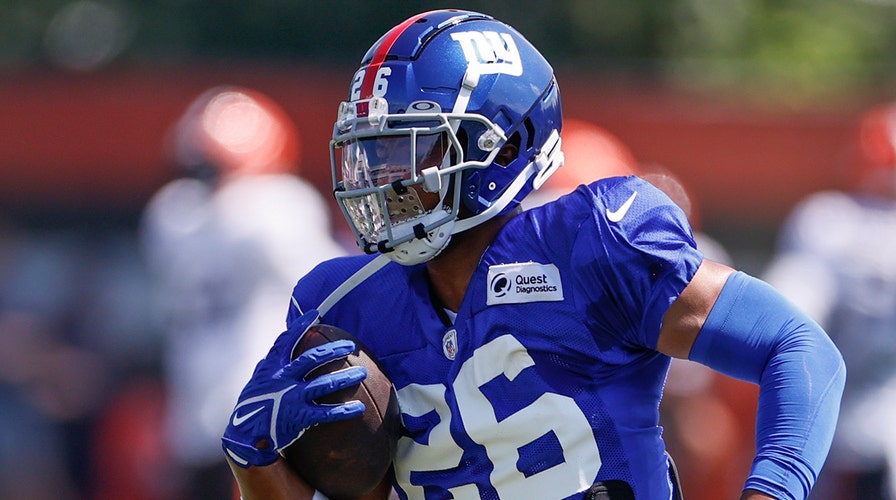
499, 204
545, 163
354, 280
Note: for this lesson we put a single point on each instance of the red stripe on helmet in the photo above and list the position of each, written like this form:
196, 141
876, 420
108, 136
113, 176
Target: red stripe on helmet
381, 52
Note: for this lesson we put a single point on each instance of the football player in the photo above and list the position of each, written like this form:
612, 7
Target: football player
217, 245
528, 348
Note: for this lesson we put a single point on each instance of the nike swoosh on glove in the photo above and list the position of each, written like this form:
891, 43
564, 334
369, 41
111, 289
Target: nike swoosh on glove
277, 404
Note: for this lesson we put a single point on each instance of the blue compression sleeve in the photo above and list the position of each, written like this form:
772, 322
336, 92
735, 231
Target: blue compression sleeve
753, 333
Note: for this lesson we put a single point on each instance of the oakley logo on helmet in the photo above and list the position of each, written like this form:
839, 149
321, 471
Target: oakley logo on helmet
492, 52
424, 107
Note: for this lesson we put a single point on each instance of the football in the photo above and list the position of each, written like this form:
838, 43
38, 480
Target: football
347, 459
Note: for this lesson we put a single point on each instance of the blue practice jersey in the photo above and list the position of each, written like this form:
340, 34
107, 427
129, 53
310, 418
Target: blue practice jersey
548, 379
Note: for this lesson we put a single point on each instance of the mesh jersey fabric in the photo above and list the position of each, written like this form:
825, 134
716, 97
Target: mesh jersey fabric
554, 382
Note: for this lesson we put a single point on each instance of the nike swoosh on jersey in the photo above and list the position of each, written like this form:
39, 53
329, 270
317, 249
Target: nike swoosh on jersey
239, 419
619, 213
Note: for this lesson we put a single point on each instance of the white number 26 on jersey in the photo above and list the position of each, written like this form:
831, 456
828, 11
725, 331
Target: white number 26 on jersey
549, 414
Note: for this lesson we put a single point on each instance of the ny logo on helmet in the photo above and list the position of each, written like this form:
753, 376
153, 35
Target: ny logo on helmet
492, 52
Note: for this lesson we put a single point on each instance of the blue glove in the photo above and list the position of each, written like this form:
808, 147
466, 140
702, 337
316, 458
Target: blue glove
277, 405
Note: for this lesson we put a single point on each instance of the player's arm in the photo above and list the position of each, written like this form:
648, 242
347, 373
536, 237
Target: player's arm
278, 481
742, 327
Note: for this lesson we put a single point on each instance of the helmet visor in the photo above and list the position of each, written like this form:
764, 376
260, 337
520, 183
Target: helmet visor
370, 162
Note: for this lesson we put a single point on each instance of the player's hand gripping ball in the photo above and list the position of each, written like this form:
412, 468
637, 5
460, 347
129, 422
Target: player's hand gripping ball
347, 458
277, 404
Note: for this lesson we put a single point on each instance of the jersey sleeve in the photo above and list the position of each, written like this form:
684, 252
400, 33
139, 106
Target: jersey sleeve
636, 253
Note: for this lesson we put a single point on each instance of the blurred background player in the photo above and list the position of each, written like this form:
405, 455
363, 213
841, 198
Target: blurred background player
836, 260
225, 244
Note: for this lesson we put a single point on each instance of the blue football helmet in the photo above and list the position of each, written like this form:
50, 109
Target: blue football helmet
415, 149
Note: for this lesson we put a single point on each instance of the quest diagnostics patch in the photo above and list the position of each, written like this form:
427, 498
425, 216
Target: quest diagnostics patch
523, 282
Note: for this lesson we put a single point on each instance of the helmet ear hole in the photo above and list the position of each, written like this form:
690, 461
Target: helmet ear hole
508, 153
